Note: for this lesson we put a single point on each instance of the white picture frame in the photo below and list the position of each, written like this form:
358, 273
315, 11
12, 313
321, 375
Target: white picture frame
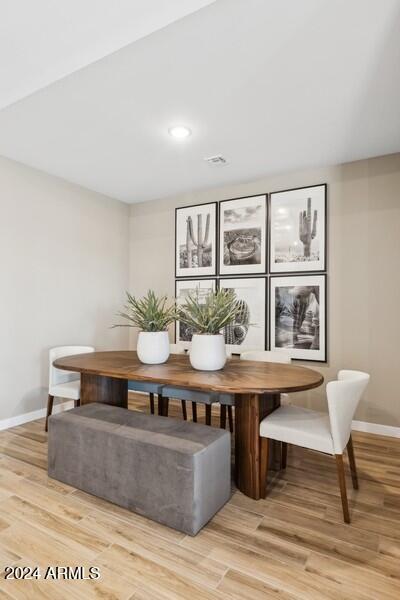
196, 240
243, 236
249, 331
298, 316
297, 230
182, 288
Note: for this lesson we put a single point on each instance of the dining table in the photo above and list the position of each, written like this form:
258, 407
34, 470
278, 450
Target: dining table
256, 386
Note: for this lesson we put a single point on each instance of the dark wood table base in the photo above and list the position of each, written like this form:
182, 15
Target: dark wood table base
99, 388
250, 409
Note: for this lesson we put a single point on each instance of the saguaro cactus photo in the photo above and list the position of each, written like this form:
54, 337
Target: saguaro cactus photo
199, 244
306, 232
196, 240
297, 230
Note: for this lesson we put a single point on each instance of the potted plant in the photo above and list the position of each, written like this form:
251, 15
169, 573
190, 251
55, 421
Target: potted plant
207, 318
152, 316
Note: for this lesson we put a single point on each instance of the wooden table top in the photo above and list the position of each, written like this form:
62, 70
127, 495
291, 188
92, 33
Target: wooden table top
237, 377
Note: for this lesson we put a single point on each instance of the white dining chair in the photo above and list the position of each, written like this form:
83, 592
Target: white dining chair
63, 384
267, 356
328, 433
177, 349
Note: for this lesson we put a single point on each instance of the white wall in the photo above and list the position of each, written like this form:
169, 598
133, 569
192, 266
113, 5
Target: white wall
363, 259
63, 273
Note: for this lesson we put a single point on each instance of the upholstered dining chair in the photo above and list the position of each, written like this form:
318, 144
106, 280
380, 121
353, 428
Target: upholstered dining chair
193, 396
227, 401
174, 349
152, 389
328, 433
63, 384
155, 389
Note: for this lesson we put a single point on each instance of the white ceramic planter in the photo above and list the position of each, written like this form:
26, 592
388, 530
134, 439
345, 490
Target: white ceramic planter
153, 347
207, 352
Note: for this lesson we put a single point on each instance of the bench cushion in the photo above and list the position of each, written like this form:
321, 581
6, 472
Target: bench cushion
174, 472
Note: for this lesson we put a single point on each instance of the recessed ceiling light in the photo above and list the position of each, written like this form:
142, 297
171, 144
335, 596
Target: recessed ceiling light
179, 132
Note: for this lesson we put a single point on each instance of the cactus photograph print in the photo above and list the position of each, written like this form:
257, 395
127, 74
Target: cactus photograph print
298, 316
248, 332
196, 240
200, 287
297, 230
242, 235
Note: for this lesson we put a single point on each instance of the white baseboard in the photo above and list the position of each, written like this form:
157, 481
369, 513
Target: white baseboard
39, 414
34, 415
387, 430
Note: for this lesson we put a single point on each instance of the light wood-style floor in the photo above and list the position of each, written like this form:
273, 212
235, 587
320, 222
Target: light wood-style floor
291, 545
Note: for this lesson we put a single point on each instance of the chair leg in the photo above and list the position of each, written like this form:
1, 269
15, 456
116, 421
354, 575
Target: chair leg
194, 412
222, 416
264, 457
50, 401
160, 405
165, 406
230, 418
342, 486
352, 461
284, 455
208, 414
151, 403
184, 411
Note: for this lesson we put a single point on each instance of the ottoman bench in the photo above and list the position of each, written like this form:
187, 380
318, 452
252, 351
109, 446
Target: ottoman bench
174, 472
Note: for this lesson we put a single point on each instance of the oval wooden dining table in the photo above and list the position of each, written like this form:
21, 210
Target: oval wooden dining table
256, 385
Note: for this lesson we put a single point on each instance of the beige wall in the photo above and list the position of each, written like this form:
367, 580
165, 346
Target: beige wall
63, 272
364, 258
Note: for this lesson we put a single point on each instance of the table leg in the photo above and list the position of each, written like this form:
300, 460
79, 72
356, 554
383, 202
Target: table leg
108, 390
250, 409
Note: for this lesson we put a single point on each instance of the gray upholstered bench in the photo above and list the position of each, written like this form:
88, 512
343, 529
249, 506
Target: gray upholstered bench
172, 471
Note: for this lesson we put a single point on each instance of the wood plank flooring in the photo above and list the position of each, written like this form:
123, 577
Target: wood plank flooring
293, 545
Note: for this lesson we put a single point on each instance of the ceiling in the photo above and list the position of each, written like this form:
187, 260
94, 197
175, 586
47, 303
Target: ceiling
272, 85
45, 40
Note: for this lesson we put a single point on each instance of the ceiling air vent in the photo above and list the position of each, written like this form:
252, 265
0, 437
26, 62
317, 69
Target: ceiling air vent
216, 161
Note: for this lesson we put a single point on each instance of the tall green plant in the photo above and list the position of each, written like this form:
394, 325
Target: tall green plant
209, 315
149, 313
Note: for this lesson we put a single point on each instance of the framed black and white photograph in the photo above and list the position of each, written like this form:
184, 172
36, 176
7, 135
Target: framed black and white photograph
242, 236
249, 330
202, 287
297, 232
297, 322
196, 240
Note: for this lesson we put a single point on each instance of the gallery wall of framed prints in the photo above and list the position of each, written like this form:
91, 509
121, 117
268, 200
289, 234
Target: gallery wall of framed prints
272, 250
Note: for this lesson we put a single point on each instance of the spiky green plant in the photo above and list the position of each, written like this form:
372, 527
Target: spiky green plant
210, 315
150, 313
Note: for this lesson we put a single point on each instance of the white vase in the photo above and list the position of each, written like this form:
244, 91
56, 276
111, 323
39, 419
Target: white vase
207, 352
153, 347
